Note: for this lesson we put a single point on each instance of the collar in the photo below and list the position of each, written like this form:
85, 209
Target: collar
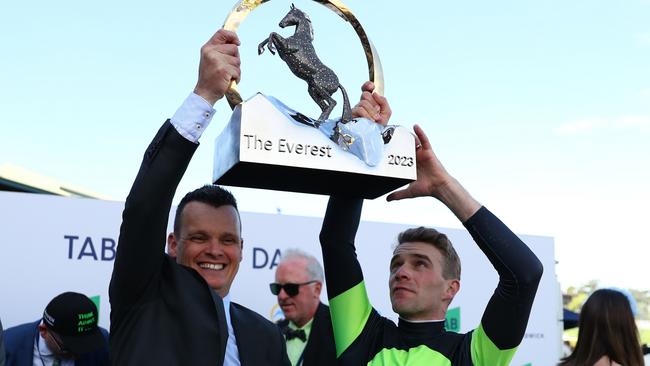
422, 328
422, 321
226, 309
306, 327
226, 301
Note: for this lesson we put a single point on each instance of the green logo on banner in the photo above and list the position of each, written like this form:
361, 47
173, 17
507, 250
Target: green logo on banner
452, 320
95, 299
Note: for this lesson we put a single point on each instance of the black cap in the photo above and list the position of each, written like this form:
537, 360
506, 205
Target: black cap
73, 317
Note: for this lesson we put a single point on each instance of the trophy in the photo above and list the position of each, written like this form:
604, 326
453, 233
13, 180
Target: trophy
269, 145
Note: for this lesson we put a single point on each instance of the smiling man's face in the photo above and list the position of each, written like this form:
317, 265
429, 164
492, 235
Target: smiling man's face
210, 242
418, 290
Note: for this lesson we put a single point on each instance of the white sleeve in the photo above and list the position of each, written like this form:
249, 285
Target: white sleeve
192, 117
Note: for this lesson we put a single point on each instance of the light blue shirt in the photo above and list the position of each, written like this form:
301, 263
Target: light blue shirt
43, 356
232, 352
192, 117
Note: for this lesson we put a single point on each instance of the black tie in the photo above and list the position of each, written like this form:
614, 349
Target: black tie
298, 333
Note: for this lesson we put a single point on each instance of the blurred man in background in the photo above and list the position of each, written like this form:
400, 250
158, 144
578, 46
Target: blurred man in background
307, 326
67, 335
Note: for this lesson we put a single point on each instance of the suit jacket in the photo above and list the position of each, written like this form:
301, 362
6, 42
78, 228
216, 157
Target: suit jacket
2, 346
259, 341
19, 343
320, 348
163, 313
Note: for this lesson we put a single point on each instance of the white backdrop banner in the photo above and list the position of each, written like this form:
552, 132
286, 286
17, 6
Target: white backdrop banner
53, 244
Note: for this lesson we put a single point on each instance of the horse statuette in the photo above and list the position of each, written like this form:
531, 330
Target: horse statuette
299, 54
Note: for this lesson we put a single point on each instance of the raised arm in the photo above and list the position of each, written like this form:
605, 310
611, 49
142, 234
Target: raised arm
349, 304
140, 250
519, 274
346, 291
433, 180
141, 245
519, 269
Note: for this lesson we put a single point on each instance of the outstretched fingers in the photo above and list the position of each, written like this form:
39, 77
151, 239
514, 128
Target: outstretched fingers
400, 194
430, 173
421, 139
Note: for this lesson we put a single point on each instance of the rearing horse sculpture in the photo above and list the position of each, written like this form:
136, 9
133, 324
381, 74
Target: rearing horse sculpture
299, 54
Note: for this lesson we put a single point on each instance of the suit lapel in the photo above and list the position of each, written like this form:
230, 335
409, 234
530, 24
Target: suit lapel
27, 347
313, 336
242, 333
223, 325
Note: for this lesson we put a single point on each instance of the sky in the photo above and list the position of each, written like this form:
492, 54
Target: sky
541, 109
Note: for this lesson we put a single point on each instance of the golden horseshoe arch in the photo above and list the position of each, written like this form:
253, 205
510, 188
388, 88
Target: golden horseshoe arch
244, 7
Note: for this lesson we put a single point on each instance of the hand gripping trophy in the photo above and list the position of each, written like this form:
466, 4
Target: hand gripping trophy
265, 137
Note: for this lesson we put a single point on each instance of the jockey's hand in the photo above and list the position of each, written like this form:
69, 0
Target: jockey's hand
219, 66
433, 180
372, 106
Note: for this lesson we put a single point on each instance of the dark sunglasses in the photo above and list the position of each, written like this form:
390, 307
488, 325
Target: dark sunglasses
291, 289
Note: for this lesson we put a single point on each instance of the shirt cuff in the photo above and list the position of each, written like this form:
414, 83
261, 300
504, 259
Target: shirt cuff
192, 117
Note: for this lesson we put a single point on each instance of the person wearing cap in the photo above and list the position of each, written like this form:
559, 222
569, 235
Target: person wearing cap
307, 326
66, 335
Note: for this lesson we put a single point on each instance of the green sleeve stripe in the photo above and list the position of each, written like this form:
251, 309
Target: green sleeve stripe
485, 352
350, 311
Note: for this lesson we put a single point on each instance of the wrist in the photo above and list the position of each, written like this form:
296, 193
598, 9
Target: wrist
445, 190
453, 195
209, 97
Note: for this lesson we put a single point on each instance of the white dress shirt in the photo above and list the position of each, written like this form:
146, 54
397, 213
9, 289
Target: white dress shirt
43, 356
192, 117
232, 352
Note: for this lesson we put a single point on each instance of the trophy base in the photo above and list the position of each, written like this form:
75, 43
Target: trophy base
304, 180
263, 148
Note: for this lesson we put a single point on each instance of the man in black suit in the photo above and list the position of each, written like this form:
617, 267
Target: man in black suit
175, 309
307, 325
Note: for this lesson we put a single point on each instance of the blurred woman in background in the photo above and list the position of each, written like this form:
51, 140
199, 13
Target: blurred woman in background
607, 333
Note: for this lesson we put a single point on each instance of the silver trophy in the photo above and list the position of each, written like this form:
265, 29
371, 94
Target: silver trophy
269, 145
